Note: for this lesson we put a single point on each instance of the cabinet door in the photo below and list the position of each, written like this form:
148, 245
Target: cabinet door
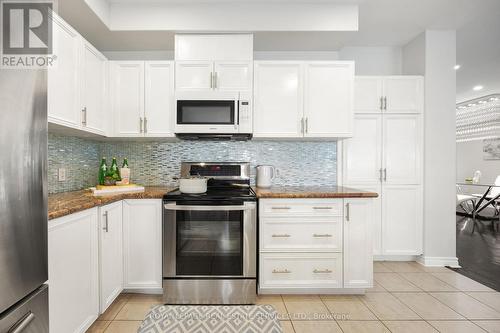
368, 94
278, 99
358, 248
404, 94
363, 152
73, 272
402, 152
159, 99
193, 75
110, 253
328, 99
376, 214
94, 89
402, 219
142, 244
233, 76
63, 78
127, 80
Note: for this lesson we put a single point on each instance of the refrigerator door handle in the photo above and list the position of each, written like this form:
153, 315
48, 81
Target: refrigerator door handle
22, 323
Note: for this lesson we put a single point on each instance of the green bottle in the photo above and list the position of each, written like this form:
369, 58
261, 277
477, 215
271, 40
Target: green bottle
103, 170
125, 163
114, 171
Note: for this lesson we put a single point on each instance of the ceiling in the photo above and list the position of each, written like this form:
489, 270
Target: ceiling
381, 23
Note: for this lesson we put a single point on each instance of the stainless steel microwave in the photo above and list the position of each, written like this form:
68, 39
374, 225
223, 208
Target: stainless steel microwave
213, 113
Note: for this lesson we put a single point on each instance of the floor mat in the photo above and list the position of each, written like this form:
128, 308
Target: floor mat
211, 319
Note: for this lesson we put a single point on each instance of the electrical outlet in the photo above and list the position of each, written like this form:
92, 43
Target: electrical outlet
61, 174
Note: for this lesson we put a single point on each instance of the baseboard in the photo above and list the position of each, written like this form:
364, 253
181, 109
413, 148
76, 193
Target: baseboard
438, 261
394, 258
152, 291
309, 291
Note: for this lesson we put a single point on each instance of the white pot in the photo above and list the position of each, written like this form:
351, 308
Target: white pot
193, 185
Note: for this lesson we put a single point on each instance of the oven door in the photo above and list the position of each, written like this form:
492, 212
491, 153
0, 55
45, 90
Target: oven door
209, 241
207, 116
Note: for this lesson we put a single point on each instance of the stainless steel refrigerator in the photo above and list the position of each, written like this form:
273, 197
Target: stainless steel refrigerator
23, 201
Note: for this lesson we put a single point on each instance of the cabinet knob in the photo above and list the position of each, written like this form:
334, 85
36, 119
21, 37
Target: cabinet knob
316, 271
281, 271
322, 235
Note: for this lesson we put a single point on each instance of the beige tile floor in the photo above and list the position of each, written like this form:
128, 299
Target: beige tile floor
406, 298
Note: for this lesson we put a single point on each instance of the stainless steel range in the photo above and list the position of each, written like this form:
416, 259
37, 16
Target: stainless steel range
210, 239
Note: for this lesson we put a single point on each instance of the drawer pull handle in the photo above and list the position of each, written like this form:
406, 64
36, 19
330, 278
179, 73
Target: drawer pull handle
322, 207
286, 208
322, 235
322, 271
283, 235
281, 271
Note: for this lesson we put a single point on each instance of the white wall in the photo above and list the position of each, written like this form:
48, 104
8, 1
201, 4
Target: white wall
470, 159
296, 55
439, 48
374, 60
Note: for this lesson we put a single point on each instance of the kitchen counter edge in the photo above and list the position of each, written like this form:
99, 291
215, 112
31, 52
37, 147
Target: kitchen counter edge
66, 203
311, 192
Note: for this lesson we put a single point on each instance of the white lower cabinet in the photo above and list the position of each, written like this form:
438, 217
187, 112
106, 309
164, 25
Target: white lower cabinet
358, 248
110, 253
94, 254
142, 247
302, 271
315, 245
73, 272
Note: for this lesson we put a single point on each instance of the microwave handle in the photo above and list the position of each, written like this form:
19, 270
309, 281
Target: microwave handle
238, 113
173, 206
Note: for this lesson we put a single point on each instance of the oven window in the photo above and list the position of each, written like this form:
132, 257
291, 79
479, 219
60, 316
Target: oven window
205, 112
209, 243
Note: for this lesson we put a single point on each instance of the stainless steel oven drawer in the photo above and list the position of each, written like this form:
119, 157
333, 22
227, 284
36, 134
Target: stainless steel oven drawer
190, 291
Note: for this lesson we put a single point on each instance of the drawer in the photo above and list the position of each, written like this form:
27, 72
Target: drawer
291, 234
289, 270
304, 207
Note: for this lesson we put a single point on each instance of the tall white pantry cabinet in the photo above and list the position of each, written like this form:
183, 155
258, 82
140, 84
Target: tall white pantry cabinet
385, 155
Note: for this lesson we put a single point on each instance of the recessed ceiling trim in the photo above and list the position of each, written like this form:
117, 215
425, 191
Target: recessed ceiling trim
232, 17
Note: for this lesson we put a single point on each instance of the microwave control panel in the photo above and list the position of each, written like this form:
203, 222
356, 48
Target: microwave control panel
245, 114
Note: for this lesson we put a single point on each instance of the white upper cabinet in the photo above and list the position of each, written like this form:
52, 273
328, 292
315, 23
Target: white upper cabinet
388, 94
143, 98
403, 94
303, 99
233, 75
328, 99
110, 253
127, 82
278, 99
363, 152
63, 78
94, 89
221, 62
368, 94
159, 99
402, 142
77, 84
193, 75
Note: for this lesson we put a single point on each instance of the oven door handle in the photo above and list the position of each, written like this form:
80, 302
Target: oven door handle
173, 206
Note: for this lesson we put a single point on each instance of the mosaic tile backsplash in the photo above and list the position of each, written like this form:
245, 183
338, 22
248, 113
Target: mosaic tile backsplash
156, 162
80, 158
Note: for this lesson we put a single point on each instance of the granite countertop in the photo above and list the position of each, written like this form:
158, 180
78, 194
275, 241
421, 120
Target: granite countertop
288, 192
66, 203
